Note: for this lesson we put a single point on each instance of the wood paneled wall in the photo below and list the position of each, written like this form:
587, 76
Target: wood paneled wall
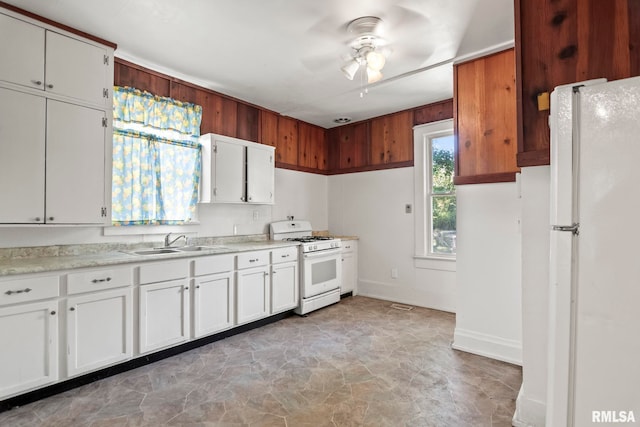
485, 119
565, 41
382, 142
379, 143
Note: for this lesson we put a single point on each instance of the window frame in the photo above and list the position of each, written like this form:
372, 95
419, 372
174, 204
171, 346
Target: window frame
423, 134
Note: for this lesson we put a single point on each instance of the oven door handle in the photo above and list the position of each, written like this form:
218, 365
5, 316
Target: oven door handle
328, 253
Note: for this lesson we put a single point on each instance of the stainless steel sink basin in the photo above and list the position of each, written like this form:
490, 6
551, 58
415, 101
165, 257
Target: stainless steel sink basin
191, 248
155, 251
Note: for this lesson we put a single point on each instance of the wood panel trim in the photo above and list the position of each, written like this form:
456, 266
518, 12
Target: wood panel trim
57, 25
519, 90
534, 158
281, 165
489, 178
369, 168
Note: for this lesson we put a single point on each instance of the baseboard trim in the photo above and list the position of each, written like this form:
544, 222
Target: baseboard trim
417, 297
488, 345
529, 412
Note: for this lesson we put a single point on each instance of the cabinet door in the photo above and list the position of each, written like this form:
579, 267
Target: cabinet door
252, 294
29, 337
164, 315
75, 185
99, 330
260, 175
22, 151
348, 273
229, 172
22, 52
213, 304
284, 287
75, 69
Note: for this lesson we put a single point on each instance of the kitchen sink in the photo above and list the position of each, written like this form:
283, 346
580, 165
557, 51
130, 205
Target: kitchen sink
191, 248
156, 251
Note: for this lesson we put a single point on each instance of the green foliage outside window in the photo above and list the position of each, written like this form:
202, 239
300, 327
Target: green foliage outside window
443, 199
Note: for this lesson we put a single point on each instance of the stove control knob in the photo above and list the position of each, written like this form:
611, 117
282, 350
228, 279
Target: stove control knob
314, 247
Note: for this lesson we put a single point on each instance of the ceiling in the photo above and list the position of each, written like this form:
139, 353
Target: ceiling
285, 55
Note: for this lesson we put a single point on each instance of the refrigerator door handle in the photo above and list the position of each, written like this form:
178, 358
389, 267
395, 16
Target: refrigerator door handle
573, 228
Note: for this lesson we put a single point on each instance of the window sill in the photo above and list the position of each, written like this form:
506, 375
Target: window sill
431, 262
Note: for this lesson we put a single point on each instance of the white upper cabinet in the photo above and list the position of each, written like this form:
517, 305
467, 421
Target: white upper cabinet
236, 171
19, 39
75, 191
42, 59
260, 174
76, 69
22, 162
55, 124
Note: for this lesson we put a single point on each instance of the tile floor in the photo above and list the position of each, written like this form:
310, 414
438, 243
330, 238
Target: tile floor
357, 363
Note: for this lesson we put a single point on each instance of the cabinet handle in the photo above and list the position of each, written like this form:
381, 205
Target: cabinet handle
266, 274
250, 198
285, 256
53, 313
25, 290
198, 287
242, 198
50, 86
274, 272
37, 219
36, 82
50, 218
186, 288
72, 309
254, 260
108, 279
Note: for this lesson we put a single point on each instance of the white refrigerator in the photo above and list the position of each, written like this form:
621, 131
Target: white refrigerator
594, 311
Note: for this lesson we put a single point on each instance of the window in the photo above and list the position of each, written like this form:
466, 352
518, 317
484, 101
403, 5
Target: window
156, 159
435, 197
442, 196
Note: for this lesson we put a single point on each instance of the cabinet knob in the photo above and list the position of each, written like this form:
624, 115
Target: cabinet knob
53, 313
72, 309
36, 82
37, 219
50, 86
250, 198
186, 288
50, 218
198, 287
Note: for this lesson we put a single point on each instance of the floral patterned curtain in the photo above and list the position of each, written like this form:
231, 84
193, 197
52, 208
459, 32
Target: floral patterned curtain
156, 159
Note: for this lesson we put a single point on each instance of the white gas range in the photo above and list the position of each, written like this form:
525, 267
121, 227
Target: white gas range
321, 266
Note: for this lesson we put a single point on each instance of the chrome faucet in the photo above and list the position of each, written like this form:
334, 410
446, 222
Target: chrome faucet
168, 242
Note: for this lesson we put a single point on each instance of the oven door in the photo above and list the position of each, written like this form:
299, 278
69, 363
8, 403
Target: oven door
321, 272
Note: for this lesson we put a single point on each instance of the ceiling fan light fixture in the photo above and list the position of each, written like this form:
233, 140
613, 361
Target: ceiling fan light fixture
375, 60
373, 75
350, 68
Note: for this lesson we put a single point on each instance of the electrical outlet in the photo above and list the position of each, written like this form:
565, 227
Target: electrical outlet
256, 215
394, 273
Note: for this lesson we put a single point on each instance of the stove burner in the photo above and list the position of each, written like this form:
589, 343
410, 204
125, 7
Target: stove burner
308, 239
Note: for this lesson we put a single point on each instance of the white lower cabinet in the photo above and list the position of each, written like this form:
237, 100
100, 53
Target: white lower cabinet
99, 330
164, 314
213, 295
349, 267
29, 337
285, 288
252, 286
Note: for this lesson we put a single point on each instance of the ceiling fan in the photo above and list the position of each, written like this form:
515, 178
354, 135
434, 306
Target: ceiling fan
367, 48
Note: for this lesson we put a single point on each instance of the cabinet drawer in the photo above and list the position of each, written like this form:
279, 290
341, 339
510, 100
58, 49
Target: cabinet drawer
284, 254
96, 280
252, 259
31, 289
162, 271
212, 264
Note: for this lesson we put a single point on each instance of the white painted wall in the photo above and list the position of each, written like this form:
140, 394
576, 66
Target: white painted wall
488, 316
301, 194
371, 205
530, 406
